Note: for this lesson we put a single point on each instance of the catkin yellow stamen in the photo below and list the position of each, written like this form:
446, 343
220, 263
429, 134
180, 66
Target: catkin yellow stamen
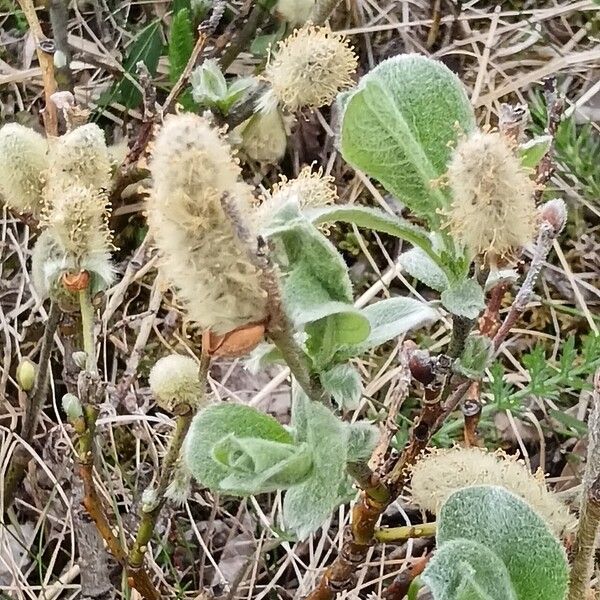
202, 255
23, 161
310, 67
311, 189
77, 216
438, 474
493, 208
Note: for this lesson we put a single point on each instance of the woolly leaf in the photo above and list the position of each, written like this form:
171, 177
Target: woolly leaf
476, 356
389, 319
376, 220
343, 383
514, 532
361, 441
534, 150
464, 298
317, 291
420, 266
398, 127
306, 506
181, 43
344, 325
466, 570
219, 429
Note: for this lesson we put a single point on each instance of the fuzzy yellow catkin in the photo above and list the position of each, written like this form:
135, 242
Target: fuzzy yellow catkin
493, 209
80, 157
202, 256
23, 162
77, 217
440, 473
310, 67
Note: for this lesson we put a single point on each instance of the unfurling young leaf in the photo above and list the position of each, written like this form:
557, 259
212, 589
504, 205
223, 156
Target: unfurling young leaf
398, 126
506, 527
240, 450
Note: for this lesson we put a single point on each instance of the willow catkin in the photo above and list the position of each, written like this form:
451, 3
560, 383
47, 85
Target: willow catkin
202, 255
23, 162
440, 473
493, 208
310, 67
80, 157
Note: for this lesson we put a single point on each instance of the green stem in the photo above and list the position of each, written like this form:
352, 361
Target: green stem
87, 327
401, 534
148, 518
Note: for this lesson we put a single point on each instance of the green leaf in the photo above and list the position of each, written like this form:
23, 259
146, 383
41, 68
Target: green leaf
344, 384
514, 532
181, 43
534, 150
420, 266
147, 47
316, 291
211, 459
464, 298
476, 356
466, 570
376, 220
389, 319
399, 124
306, 506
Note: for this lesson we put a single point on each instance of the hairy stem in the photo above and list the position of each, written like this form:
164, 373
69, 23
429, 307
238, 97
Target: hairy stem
148, 518
585, 543
33, 408
401, 534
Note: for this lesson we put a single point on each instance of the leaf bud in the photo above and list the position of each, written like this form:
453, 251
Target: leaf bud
26, 372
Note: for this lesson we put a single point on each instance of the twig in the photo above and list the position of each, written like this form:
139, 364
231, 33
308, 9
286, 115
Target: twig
185, 75
555, 106
149, 517
398, 589
46, 64
401, 534
59, 17
585, 543
90, 393
260, 11
546, 236
34, 406
471, 410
